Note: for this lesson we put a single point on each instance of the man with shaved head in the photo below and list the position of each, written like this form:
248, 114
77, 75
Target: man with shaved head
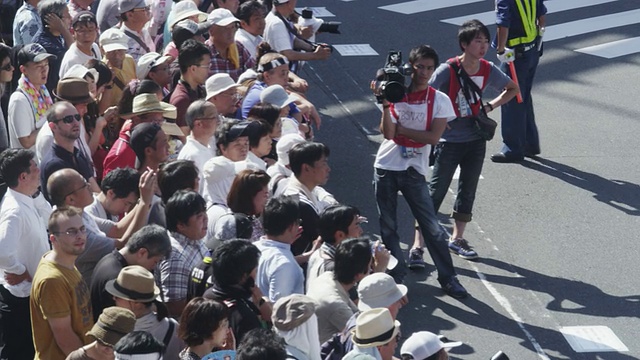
67, 187
64, 121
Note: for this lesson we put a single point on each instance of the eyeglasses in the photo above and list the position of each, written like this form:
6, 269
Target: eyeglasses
69, 119
7, 67
85, 186
73, 231
202, 66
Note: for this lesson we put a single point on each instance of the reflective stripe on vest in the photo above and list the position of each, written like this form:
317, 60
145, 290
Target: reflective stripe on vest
528, 18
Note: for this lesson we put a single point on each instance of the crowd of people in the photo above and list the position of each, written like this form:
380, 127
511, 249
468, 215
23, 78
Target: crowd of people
164, 195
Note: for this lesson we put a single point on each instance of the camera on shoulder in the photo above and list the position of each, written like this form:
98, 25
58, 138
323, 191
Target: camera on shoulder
390, 80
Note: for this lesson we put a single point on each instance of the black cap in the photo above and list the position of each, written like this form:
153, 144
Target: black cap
142, 137
33, 52
236, 131
85, 17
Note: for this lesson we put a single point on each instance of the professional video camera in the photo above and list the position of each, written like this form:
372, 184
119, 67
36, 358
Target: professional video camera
390, 79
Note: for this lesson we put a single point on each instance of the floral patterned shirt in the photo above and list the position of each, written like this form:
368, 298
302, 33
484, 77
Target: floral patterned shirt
26, 25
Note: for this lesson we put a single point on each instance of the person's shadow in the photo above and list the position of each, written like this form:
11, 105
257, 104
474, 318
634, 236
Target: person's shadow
619, 194
570, 296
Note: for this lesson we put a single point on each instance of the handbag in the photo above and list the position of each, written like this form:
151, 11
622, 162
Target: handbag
485, 126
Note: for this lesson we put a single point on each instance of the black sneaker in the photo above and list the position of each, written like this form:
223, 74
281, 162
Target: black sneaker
454, 289
461, 248
416, 260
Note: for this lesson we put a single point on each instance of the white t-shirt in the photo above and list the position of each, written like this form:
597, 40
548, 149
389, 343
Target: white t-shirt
249, 41
277, 34
412, 116
199, 154
21, 119
75, 56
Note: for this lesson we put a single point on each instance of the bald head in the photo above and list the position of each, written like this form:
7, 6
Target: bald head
61, 184
64, 122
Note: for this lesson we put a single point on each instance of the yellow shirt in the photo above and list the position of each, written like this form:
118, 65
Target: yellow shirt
126, 74
58, 292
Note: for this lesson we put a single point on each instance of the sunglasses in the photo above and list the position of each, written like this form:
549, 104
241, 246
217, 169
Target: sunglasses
69, 119
7, 67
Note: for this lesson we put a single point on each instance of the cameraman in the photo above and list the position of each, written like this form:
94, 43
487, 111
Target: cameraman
282, 35
409, 127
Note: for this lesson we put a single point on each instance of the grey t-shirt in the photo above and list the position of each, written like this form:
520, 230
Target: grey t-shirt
97, 246
463, 129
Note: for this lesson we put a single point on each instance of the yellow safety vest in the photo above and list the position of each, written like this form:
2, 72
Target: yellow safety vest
528, 18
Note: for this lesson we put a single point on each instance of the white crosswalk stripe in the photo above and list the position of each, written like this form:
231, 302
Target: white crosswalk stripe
489, 17
412, 7
613, 49
553, 32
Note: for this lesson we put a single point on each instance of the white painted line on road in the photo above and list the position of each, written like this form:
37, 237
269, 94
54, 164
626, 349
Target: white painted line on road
613, 49
506, 305
412, 7
355, 50
592, 339
319, 11
489, 17
579, 27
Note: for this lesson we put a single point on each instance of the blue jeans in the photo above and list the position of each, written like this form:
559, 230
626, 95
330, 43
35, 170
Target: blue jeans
470, 157
415, 190
519, 130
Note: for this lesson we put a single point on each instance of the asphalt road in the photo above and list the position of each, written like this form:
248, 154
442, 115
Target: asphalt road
558, 235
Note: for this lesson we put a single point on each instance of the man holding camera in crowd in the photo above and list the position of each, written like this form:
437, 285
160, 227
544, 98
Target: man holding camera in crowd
282, 35
409, 126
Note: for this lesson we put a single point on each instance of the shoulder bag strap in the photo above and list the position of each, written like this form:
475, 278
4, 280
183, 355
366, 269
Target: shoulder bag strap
461, 74
169, 334
138, 40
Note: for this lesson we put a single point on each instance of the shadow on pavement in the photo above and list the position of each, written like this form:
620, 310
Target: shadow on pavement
586, 299
619, 194
590, 301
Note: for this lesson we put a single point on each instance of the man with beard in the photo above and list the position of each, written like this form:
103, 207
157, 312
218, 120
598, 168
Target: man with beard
64, 121
60, 301
234, 265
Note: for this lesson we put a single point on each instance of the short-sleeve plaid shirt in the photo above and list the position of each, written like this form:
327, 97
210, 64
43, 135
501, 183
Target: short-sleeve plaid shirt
175, 271
222, 65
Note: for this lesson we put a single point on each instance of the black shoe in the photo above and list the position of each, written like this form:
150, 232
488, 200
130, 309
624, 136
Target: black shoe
531, 154
502, 158
454, 289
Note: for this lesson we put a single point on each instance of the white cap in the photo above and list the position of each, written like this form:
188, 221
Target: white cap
285, 144
113, 39
147, 62
423, 344
218, 83
276, 95
183, 10
80, 71
222, 17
